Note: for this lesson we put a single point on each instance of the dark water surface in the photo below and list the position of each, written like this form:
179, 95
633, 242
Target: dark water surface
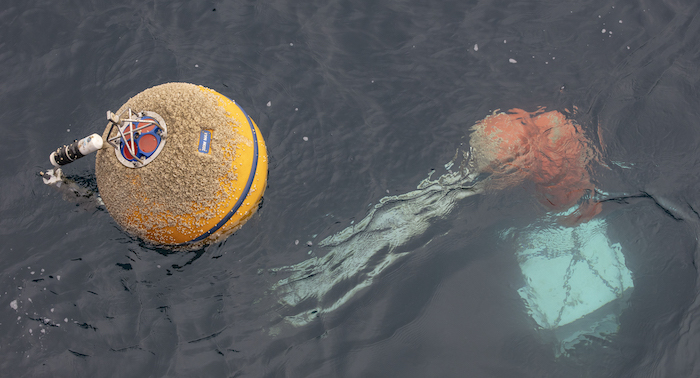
384, 91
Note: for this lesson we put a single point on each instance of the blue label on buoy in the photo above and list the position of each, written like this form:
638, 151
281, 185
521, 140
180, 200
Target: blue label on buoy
204, 141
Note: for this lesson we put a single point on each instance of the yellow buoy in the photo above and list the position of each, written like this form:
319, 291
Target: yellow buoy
186, 166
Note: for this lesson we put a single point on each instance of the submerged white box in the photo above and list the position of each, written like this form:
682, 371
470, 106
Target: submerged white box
572, 275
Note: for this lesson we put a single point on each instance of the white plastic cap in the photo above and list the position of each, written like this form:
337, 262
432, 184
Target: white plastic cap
90, 144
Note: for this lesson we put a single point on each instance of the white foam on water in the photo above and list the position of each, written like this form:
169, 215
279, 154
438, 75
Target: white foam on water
363, 250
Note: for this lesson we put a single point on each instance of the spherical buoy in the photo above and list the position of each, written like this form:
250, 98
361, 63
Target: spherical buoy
187, 166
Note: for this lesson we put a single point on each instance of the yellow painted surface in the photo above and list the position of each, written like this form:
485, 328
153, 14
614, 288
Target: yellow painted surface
170, 229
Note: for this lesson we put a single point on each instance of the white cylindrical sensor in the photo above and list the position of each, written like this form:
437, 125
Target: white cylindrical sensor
90, 144
76, 150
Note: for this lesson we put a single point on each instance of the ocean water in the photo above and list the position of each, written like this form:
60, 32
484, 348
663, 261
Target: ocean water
358, 102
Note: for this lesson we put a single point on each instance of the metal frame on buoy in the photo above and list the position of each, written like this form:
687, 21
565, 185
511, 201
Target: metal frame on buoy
129, 135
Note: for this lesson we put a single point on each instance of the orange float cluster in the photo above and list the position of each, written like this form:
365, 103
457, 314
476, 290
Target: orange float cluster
543, 147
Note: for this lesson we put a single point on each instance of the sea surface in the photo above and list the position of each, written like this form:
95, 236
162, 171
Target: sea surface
359, 102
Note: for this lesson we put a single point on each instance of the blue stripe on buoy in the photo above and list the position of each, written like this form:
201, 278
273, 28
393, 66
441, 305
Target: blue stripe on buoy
238, 204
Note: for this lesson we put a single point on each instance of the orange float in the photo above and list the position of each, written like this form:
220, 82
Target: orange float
543, 147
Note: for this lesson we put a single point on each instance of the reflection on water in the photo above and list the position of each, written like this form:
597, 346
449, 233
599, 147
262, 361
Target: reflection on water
79, 189
362, 251
571, 272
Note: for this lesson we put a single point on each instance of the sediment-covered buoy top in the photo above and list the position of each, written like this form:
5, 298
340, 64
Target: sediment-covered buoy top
187, 194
